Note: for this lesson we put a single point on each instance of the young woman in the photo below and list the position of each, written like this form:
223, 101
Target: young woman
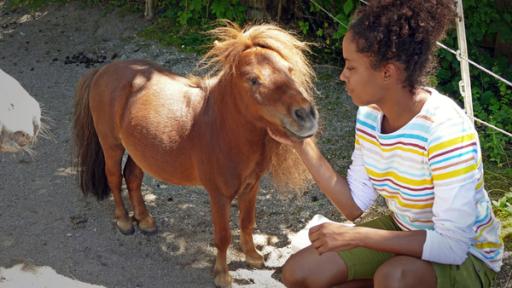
417, 149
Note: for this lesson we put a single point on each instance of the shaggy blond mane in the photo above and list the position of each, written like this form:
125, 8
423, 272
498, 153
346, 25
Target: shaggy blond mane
287, 169
233, 40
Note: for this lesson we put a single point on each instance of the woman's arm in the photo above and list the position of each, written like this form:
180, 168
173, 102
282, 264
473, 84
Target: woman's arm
333, 185
335, 237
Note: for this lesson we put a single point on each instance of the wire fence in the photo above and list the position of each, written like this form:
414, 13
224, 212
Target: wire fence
459, 57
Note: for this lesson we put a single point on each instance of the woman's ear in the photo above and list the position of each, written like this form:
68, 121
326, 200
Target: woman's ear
390, 71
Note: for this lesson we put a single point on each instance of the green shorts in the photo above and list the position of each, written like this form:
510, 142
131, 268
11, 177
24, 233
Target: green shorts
363, 262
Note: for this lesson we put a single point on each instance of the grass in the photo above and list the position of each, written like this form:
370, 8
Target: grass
498, 182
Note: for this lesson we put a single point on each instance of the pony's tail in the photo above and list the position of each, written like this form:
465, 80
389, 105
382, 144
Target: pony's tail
88, 154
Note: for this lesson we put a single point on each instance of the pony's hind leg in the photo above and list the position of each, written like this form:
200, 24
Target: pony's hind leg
113, 158
247, 216
133, 176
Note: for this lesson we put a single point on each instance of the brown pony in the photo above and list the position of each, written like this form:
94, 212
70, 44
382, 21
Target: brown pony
209, 131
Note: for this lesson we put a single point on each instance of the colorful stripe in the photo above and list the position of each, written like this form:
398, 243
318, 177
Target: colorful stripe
388, 150
450, 143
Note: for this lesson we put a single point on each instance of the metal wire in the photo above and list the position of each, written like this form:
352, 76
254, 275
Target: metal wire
492, 126
328, 13
459, 57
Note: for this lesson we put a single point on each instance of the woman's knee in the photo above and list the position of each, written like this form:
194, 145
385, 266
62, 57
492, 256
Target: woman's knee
404, 271
292, 272
307, 268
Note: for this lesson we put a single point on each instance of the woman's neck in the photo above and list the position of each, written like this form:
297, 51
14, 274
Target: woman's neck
400, 106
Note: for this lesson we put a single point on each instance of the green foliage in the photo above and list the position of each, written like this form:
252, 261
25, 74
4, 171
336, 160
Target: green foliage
498, 182
503, 210
503, 206
324, 31
180, 23
492, 99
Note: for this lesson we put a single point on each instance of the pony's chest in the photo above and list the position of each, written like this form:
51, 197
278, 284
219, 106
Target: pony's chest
244, 165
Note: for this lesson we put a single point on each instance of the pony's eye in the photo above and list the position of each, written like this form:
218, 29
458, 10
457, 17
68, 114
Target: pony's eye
254, 81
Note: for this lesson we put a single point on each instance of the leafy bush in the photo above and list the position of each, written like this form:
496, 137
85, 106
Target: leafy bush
503, 210
181, 23
325, 32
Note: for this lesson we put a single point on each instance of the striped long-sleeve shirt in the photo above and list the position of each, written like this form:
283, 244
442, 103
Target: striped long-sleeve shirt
430, 173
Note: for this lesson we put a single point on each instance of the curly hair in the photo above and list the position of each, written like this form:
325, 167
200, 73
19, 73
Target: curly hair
404, 31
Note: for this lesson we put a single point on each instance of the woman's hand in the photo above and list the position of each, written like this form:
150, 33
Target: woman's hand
280, 139
285, 140
334, 237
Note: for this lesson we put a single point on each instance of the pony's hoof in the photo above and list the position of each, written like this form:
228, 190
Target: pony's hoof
255, 261
223, 280
125, 227
147, 226
149, 232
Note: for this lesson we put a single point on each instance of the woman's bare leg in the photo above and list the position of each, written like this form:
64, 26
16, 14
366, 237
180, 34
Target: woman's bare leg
405, 271
307, 268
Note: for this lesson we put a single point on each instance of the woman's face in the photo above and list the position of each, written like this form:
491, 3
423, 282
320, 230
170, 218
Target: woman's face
363, 84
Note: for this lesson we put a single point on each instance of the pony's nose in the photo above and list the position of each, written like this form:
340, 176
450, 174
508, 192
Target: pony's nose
303, 115
22, 138
313, 113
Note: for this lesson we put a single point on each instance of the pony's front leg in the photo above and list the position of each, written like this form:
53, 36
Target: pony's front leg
220, 206
247, 216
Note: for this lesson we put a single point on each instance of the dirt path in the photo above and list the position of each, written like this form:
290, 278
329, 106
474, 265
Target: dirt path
44, 219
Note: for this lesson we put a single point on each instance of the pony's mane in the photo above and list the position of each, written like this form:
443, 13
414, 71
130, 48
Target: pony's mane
287, 169
233, 40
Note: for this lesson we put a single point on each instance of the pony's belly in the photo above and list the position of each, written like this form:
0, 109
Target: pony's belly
169, 166
175, 177
179, 181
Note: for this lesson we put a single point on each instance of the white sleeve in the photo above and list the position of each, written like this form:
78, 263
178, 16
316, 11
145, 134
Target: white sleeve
360, 186
454, 214
455, 165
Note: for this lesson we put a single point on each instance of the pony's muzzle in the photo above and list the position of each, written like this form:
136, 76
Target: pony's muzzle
22, 138
306, 121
